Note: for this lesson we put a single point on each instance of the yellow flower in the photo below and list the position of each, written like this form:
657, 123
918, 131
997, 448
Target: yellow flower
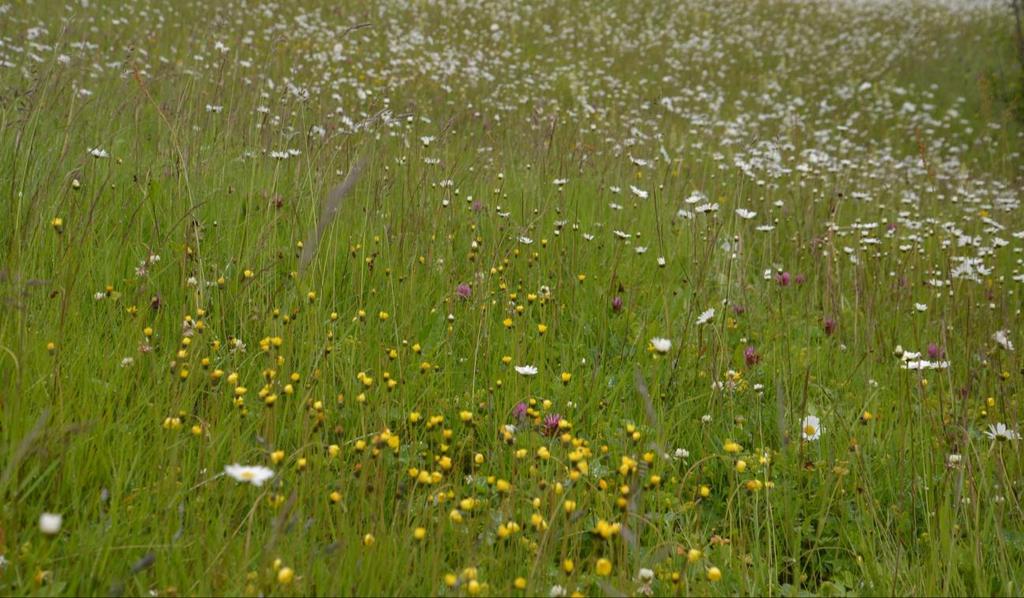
603, 568
566, 377
714, 574
419, 533
285, 575
368, 540
607, 530
542, 328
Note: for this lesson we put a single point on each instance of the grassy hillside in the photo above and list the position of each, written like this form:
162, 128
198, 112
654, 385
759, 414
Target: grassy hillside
616, 298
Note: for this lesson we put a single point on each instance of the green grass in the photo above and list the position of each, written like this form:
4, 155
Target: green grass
870, 135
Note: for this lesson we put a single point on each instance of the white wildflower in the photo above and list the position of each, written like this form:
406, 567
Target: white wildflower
706, 316
50, 523
251, 474
661, 345
526, 370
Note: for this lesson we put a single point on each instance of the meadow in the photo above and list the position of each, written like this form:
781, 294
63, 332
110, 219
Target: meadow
492, 297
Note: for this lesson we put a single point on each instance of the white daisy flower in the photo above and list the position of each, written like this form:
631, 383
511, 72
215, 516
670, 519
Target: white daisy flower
924, 364
639, 192
661, 345
745, 214
50, 523
999, 431
810, 428
1002, 338
526, 370
706, 316
252, 474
